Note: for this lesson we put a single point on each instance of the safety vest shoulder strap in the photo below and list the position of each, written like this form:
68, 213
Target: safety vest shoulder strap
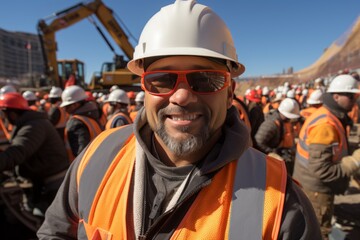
260, 181
110, 123
64, 116
93, 126
107, 143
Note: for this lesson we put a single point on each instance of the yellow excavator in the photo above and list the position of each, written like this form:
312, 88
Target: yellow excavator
112, 73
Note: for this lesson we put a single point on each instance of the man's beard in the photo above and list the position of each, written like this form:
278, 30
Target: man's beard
186, 146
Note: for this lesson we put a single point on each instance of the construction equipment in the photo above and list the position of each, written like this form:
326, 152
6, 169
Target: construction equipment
111, 72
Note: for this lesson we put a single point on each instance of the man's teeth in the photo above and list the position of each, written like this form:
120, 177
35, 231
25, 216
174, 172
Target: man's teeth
184, 118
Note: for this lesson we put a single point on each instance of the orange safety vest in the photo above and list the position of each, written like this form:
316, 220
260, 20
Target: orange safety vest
110, 123
64, 117
34, 108
243, 113
255, 176
93, 128
288, 135
133, 115
354, 114
306, 112
320, 117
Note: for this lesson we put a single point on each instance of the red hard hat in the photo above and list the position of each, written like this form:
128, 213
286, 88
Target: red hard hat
13, 100
131, 94
90, 96
253, 96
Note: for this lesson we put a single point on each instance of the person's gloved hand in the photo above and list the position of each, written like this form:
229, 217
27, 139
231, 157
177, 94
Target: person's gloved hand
351, 164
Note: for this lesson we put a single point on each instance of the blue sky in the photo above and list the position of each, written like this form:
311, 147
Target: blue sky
270, 35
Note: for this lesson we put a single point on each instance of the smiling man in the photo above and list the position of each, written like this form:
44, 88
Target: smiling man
185, 169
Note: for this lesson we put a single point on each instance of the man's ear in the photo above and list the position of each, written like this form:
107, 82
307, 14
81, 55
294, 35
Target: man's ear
231, 93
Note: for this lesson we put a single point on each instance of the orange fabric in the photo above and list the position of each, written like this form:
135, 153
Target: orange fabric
104, 209
243, 114
4, 133
354, 114
306, 112
287, 138
202, 221
325, 130
133, 115
34, 107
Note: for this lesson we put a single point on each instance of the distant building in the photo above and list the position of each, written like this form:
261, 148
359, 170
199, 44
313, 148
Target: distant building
20, 57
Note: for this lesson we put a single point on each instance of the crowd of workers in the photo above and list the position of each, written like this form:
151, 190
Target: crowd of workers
195, 157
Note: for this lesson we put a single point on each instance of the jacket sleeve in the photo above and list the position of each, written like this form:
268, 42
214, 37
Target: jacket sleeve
26, 142
266, 135
62, 217
298, 220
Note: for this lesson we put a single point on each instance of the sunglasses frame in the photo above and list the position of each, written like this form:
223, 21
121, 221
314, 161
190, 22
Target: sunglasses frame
181, 77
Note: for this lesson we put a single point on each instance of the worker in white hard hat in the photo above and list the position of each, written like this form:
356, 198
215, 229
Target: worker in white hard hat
83, 123
186, 164
313, 103
139, 103
276, 134
118, 110
31, 98
57, 115
323, 163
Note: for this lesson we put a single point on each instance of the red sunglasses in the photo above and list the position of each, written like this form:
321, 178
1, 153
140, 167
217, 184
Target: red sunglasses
165, 82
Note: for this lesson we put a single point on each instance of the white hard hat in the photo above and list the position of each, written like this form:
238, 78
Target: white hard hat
140, 96
186, 28
113, 87
290, 94
319, 80
29, 96
55, 92
305, 92
265, 91
278, 97
289, 108
7, 89
286, 84
285, 90
72, 94
315, 97
344, 83
118, 95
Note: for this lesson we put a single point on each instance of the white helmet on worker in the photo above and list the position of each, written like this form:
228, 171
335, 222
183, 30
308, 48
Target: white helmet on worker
113, 87
140, 96
290, 94
72, 94
315, 97
55, 92
265, 91
119, 96
186, 28
289, 108
29, 96
7, 89
344, 83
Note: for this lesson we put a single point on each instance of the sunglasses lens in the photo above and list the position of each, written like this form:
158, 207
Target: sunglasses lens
160, 82
206, 82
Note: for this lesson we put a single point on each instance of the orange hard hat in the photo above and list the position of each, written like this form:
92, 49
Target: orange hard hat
13, 100
131, 94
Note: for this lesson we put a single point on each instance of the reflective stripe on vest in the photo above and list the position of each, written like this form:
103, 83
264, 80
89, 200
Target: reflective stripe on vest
321, 116
104, 178
92, 126
111, 122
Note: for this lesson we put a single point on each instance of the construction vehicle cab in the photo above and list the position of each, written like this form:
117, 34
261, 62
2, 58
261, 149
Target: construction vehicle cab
68, 67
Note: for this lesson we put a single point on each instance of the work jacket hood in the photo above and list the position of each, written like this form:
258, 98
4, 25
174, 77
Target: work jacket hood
233, 142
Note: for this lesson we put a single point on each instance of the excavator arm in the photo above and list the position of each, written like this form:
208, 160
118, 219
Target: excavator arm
70, 16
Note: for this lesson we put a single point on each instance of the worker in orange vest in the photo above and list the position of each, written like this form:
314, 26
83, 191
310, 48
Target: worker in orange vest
31, 99
57, 115
83, 123
314, 102
118, 112
186, 164
323, 164
139, 103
